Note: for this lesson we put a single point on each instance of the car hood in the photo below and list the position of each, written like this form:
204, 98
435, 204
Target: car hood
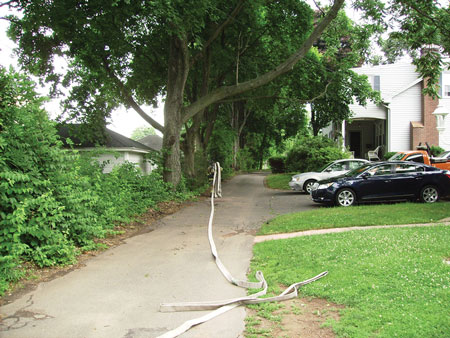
336, 178
305, 174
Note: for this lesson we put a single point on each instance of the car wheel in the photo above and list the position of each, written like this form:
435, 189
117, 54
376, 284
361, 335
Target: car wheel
345, 198
429, 194
308, 186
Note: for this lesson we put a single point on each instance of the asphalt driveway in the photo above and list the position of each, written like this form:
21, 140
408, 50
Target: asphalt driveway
117, 294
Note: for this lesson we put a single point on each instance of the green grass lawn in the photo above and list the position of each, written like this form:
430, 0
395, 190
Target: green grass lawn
393, 282
279, 181
381, 214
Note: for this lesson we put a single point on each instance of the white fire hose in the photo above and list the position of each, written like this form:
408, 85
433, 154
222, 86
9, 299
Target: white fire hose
222, 306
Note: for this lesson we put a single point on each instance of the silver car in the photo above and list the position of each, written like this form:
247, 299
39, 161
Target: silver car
305, 181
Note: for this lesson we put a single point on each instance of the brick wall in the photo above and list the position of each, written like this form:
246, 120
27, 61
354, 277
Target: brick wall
429, 132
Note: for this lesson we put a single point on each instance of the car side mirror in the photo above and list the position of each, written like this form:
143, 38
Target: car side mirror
365, 175
329, 170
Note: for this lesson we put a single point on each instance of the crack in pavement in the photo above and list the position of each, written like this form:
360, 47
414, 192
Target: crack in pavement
22, 317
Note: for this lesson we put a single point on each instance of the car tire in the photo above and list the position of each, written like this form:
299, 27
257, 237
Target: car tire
429, 194
308, 185
345, 198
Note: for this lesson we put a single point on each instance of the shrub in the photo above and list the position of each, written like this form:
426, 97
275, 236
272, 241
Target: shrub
277, 164
55, 202
220, 147
245, 160
388, 155
310, 153
436, 150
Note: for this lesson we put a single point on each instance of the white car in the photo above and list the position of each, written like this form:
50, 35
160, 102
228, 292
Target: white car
304, 181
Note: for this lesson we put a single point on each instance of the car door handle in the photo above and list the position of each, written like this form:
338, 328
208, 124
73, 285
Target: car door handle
387, 181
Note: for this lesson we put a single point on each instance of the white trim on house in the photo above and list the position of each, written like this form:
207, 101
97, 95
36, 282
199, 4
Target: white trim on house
134, 150
419, 80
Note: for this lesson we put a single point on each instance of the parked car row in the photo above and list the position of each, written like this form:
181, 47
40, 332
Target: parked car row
352, 181
383, 181
305, 181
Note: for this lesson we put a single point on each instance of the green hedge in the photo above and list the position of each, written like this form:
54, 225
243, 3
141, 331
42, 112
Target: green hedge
311, 153
54, 202
277, 164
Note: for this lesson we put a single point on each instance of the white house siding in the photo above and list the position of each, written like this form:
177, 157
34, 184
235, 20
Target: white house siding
120, 157
110, 161
138, 159
405, 107
444, 137
401, 97
393, 79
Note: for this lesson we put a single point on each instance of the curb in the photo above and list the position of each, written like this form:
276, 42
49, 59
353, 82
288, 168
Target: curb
264, 238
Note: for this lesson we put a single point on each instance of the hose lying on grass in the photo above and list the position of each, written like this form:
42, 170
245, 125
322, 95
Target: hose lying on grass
222, 306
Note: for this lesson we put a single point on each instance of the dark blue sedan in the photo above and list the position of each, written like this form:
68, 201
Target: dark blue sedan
383, 181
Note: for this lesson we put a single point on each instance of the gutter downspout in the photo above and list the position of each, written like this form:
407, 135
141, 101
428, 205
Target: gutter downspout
388, 126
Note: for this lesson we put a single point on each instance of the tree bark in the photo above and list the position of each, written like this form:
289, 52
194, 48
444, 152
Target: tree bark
193, 141
177, 74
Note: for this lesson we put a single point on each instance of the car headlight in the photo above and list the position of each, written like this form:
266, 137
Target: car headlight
295, 179
325, 185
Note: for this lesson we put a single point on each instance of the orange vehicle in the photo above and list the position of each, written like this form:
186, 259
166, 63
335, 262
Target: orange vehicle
422, 156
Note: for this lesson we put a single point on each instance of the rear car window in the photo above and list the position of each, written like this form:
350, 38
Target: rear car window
407, 168
415, 158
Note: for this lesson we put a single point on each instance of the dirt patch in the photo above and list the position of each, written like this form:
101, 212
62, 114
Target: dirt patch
300, 317
143, 224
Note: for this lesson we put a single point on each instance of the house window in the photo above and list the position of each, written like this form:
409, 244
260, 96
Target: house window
376, 83
447, 91
445, 84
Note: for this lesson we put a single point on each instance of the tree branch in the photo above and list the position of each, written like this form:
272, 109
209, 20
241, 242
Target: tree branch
10, 4
218, 31
128, 98
322, 94
286, 66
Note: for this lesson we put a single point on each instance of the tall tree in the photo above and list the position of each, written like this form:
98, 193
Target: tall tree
128, 52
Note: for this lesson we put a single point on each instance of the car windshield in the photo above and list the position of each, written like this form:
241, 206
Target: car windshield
445, 154
396, 157
325, 166
358, 170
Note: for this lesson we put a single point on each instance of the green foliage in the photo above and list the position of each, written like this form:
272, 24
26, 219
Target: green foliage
220, 147
312, 153
141, 132
245, 160
436, 150
277, 164
388, 155
200, 178
54, 202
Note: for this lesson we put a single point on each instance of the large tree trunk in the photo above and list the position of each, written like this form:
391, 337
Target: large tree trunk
177, 75
192, 144
178, 70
